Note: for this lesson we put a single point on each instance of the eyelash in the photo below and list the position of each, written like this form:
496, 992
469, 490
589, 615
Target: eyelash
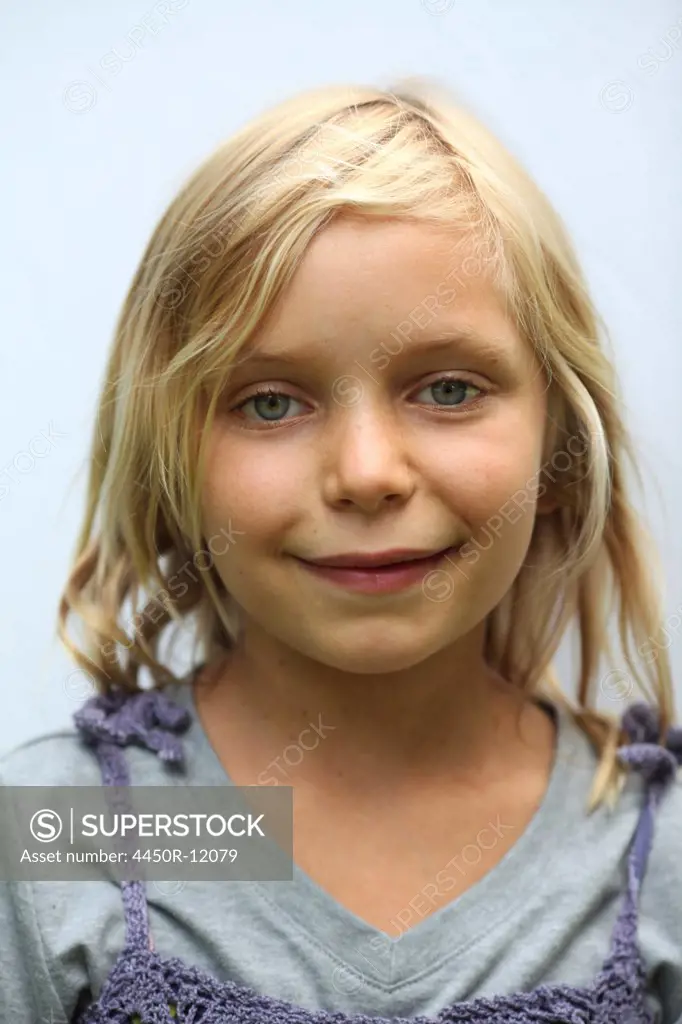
264, 392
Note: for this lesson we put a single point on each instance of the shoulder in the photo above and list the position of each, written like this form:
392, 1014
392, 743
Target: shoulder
613, 830
45, 971
605, 838
63, 758
57, 758
663, 878
666, 849
660, 901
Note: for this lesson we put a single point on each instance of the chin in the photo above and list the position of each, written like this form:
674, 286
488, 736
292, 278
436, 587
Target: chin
374, 655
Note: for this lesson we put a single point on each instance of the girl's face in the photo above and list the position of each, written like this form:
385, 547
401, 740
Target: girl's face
365, 447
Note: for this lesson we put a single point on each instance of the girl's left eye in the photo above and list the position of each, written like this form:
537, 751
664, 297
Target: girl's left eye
452, 389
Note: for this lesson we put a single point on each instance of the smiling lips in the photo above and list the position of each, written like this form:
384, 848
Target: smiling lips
386, 572
382, 558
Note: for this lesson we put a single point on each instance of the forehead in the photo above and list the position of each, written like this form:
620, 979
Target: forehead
385, 263
361, 280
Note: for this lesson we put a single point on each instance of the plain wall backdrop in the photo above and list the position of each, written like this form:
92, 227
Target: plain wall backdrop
107, 108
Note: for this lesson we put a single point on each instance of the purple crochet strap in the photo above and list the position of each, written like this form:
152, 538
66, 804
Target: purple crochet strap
148, 718
110, 721
658, 762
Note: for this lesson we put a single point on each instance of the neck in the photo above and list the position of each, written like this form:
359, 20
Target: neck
450, 715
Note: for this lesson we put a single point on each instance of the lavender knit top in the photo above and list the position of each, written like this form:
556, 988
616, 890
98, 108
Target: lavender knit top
146, 988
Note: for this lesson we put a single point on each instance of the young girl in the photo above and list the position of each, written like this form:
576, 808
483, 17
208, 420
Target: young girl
360, 439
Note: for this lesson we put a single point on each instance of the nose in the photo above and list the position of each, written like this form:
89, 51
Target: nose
366, 461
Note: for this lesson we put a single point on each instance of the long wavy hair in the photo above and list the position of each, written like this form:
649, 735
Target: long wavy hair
220, 256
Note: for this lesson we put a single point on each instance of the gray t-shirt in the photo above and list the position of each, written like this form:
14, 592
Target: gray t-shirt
543, 914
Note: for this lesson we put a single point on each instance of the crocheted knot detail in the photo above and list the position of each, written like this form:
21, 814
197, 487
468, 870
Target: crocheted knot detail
657, 763
148, 718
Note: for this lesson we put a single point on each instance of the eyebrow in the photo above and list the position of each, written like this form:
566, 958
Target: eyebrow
466, 340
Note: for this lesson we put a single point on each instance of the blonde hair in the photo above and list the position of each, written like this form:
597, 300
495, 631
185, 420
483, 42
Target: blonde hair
223, 251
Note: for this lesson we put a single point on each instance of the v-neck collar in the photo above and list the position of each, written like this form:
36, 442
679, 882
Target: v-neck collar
446, 932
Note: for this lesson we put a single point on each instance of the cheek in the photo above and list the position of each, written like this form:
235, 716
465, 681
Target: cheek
484, 475
258, 490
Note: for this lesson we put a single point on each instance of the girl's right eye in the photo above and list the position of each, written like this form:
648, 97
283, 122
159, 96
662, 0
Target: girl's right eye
267, 400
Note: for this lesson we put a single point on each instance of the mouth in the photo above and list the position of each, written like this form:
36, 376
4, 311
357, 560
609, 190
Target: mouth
381, 560
384, 578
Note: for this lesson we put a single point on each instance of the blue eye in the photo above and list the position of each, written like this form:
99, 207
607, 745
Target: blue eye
452, 388
267, 401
